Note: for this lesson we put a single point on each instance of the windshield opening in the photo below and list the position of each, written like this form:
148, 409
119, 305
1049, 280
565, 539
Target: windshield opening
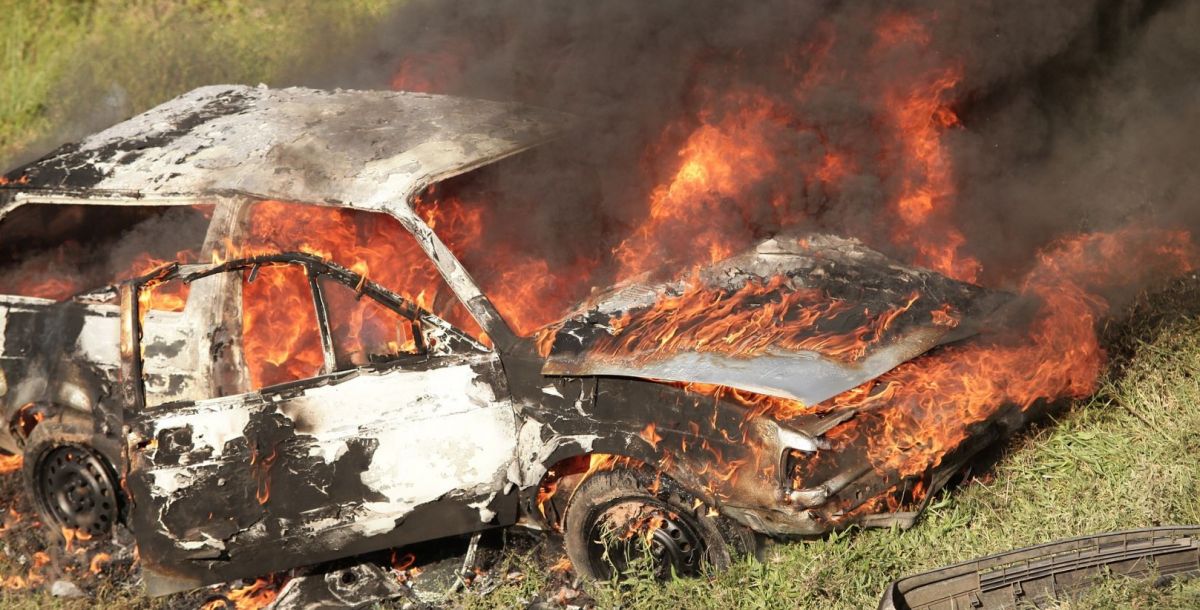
529, 232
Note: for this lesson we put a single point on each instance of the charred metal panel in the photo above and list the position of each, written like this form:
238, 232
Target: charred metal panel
307, 471
172, 366
303, 145
715, 448
910, 311
1043, 574
371, 150
355, 586
61, 354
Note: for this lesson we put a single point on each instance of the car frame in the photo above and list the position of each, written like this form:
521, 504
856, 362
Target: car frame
576, 442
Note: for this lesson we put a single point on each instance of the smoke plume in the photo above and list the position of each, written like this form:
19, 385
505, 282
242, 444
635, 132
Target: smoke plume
1063, 117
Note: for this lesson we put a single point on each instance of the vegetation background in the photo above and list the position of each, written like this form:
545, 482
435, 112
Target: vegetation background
1126, 458
69, 67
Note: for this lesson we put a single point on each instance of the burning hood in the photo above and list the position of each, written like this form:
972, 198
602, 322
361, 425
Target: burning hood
348, 148
801, 317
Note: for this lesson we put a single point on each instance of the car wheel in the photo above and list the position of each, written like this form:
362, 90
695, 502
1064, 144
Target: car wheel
623, 520
73, 484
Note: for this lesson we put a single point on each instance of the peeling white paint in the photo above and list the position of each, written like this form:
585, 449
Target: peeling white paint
213, 422
71, 395
439, 433
167, 481
100, 338
533, 450
485, 514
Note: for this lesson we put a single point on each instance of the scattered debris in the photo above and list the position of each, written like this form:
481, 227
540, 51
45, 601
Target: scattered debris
66, 588
1042, 574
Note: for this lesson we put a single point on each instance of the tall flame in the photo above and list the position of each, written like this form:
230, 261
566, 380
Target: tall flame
915, 414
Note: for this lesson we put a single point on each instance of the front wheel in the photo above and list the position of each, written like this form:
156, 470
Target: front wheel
623, 520
73, 484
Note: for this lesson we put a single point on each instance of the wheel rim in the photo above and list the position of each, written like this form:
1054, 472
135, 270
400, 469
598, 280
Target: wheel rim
77, 490
626, 532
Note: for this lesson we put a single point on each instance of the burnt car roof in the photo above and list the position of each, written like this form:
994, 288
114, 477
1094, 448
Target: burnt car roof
872, 313
304, 145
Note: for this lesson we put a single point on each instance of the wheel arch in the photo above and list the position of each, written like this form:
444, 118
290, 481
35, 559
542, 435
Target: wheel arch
573, 455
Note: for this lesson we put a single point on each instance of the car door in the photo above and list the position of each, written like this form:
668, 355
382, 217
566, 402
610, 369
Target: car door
380, 425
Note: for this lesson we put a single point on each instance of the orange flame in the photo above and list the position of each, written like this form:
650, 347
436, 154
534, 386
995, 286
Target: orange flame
11, 463
718, 161
918, 114
748, 321
915, 414
98, 561
252, 596
280, 330
262, 473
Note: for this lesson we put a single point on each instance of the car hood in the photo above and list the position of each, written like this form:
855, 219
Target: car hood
804, 317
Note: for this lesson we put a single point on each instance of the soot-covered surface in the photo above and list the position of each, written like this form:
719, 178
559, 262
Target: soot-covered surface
804, 317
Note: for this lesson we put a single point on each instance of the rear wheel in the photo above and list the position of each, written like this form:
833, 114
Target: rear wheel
73, 484
624, 520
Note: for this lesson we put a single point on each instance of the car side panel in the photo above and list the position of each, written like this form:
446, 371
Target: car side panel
315, 470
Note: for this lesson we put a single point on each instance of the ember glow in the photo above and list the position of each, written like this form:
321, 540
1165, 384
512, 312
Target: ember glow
252, 596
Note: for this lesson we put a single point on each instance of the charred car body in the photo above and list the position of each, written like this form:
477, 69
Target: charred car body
433, 432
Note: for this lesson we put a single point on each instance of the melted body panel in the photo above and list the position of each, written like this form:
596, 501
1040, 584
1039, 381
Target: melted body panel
635, 331
305, 470
296, 144
1047, 574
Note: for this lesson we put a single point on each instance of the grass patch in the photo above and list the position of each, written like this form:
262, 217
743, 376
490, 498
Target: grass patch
79, 65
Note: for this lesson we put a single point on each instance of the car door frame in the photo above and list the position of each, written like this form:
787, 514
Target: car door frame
443, 517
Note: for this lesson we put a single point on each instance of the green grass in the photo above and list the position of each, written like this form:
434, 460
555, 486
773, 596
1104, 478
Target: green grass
71, 66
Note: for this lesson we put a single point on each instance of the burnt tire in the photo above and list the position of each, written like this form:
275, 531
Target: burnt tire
621, 520
72, 482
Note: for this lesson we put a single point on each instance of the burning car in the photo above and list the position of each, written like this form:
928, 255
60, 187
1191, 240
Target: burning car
252, 410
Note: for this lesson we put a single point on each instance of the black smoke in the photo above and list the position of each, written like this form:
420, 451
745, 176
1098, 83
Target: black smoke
1075, 115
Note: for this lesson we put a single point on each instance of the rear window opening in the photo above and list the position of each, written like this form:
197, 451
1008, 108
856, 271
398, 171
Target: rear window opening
54, 251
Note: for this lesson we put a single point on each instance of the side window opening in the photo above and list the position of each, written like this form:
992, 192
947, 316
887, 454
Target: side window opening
281, 332
365, 331
281, 339
370, 243
54, 251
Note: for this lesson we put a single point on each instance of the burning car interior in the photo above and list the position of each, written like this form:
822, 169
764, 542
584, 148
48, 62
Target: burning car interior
268, 340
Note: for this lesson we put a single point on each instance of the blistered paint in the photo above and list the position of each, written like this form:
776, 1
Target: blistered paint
535, 450
212, 423
419, 419
99, 340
